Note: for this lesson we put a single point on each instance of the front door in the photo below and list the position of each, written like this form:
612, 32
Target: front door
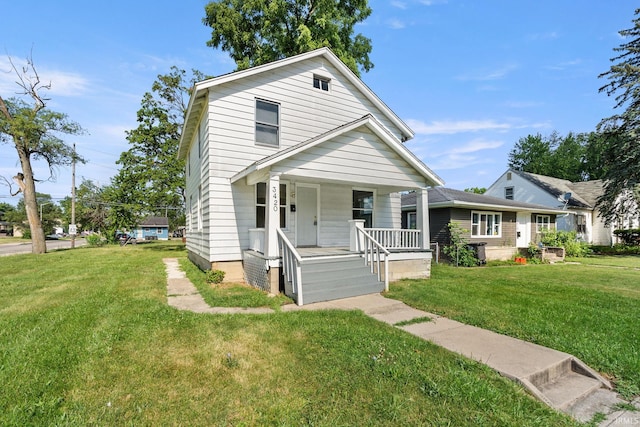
523, 230
307, 216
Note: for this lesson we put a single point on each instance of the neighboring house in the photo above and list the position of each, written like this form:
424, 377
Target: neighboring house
504, 226
577, 199
293, 168
153, 228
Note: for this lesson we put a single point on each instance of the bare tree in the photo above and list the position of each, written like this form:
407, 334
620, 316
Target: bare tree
33, 130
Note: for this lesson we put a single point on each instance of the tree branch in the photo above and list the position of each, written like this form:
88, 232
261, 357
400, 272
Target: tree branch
31, 84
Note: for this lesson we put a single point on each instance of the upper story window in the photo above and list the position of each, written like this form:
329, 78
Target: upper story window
486, 224
267, 123
543, 223
508, 193
321, 83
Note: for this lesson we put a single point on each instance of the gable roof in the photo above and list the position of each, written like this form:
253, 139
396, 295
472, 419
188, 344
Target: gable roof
155, 221
371, 123
441, 197
199, 94
583, 194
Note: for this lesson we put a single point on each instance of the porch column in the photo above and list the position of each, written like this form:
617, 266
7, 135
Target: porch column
272, 216
422, 217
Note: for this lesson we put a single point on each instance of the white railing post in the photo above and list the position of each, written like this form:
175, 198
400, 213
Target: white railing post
356, 240
291, 264
373, 251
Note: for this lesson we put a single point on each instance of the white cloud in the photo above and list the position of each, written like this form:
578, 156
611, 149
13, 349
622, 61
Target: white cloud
494, 74
396, 24
550, 35
476, 145
63, 83
399, 4
452, 127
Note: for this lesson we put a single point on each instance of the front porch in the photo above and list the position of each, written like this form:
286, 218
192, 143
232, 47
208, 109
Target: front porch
374, 257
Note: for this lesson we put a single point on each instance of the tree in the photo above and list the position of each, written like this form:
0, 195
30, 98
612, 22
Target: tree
151, 180
574, 157
34, 131
622, 180
531, 154
91, 207
476, 190
261, 31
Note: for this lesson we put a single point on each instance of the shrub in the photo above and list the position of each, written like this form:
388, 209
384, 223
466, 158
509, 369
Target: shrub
567, 240
94, 240
214, 276
459, 250
630, 236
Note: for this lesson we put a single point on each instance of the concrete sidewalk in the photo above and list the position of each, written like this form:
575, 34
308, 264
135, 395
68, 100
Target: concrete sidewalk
558, 379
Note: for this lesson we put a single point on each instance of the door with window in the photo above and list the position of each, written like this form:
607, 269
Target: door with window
307, 216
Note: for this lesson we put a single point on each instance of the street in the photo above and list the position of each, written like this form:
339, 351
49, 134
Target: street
25, 247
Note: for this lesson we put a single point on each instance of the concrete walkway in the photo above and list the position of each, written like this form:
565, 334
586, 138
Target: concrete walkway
557, 378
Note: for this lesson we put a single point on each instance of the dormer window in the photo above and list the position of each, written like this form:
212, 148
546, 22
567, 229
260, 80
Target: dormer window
321, 83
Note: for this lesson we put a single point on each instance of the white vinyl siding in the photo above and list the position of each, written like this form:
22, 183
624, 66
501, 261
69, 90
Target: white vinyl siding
228, 146
336, 160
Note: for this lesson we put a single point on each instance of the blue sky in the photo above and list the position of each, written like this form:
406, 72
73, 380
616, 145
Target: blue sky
470, 77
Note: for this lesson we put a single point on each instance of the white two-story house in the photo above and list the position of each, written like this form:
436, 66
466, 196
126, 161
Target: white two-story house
294, 170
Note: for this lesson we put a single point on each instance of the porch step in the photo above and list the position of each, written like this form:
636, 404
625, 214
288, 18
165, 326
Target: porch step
343, 277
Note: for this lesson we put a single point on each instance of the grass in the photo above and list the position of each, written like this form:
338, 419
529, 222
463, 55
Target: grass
588, 311
629, 261
230, 294
87, 338
12, 239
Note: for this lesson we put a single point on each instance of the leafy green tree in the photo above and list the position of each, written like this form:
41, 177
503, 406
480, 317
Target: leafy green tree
151, 180
91, 207
531, 154
33, 130
49, 214
476, 190
261, 31
622, 186
575, 157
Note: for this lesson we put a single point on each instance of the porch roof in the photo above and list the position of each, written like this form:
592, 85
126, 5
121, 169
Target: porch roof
441, 197
258, 171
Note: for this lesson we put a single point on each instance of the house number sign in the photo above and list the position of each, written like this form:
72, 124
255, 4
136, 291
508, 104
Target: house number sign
274, 197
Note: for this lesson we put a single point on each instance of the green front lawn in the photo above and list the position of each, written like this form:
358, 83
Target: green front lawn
592, 312
87, 338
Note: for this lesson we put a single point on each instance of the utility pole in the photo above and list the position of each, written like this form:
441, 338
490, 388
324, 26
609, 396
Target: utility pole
72, 226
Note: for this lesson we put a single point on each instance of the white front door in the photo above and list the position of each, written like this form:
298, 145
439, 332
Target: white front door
307, 216
523, 230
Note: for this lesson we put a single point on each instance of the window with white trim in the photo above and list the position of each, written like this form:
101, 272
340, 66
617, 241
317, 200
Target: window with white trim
362, 208
581, 224
543, 223
261, 204
508, 193
267, 123
486, 224
199, 208
321, 83
412, 220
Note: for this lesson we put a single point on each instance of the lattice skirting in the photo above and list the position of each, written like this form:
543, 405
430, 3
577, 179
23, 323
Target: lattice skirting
256, 271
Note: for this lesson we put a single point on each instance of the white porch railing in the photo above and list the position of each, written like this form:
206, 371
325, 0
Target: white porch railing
373, 251
393, 238
291, 264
